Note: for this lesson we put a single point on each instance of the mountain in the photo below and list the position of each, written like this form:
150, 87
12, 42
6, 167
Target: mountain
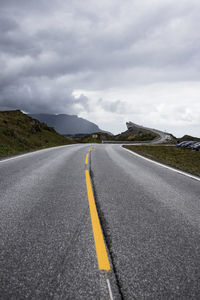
67, 124
20, 133
139, 133
135, 133
188, 138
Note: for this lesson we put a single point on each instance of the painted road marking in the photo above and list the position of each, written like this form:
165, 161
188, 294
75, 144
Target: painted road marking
87, 156
91, 149
162, 165
86, 159
102, 257
109, 289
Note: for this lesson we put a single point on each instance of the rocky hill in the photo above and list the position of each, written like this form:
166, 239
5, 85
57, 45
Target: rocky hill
21, 133
188, 138
135, 133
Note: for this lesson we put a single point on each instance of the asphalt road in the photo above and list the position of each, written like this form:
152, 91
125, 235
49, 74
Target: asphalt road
150, 218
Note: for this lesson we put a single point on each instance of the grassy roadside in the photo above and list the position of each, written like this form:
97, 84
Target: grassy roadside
98, 138
20, 133
180, 158
139, 137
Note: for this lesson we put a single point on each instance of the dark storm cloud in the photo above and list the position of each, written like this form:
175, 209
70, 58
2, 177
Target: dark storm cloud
41, 95
50, 48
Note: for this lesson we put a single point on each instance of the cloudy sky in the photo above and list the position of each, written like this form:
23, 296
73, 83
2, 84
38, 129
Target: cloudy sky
109, 61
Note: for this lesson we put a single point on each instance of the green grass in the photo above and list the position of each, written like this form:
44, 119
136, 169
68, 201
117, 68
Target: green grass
100, 135
180, 158
136, 137
20, 133
119, 137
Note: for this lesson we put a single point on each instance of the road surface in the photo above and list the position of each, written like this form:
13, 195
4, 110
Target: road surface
150, 220
162, 136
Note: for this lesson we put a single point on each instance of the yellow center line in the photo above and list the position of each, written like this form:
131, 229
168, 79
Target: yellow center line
86, 159
102, 256
87, 156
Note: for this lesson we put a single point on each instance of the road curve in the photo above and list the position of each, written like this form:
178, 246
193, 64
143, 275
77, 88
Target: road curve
149, 217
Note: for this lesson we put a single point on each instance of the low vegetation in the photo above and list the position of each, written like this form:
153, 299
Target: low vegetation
102, 136
136, 137
188, 138
180, 158
97, 137
20, 133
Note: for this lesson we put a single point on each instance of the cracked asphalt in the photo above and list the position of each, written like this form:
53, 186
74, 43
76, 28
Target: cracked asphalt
149, 214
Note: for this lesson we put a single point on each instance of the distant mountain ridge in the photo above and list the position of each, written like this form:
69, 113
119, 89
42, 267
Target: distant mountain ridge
67, 124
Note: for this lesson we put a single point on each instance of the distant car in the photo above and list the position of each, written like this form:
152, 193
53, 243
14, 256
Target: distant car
181, 144
196, 146
190, 144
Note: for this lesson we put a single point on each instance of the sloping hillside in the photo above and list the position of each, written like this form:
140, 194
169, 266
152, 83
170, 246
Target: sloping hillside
67, 124
188, 138
21, 133
135, 133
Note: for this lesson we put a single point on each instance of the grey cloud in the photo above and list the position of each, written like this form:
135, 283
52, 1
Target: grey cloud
117, 106
94, 46
22, 6
7, 24
41, 95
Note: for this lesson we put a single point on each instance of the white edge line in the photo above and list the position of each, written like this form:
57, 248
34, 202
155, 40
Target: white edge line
29, 153
109, 289
162, 165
